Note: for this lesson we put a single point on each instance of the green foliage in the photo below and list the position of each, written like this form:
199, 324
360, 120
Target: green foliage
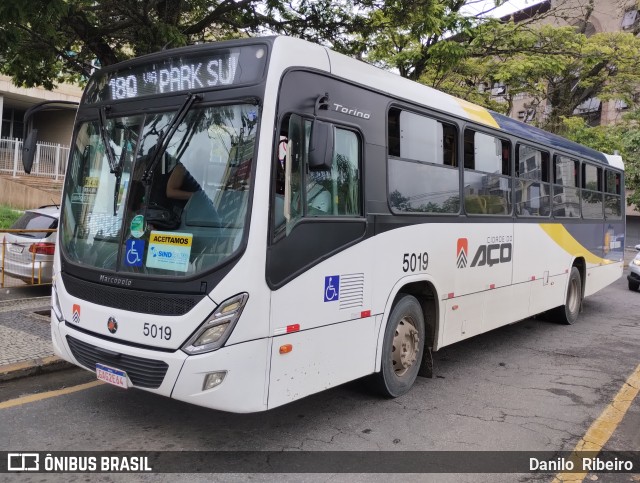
558, 68
409, 36
437, 42
8, 216
602, 138
45, 42
623, 137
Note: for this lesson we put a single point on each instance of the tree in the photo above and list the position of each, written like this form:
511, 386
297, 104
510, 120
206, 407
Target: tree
623, 137
558, 68
411, 36
441, 43
44, 42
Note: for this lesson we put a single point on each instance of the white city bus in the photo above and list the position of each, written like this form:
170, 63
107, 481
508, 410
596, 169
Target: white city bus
249, 222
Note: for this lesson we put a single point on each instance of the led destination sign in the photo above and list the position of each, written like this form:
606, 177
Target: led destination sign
171, 79
175, 74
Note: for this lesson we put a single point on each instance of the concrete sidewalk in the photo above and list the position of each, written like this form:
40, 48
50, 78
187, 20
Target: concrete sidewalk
25, 338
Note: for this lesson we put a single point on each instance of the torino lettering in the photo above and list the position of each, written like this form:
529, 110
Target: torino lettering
351, 112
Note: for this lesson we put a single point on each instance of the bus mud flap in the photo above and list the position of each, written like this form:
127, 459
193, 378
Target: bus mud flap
426, 366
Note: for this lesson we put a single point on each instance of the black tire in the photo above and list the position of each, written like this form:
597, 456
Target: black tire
399, 369
634, 285
568, 313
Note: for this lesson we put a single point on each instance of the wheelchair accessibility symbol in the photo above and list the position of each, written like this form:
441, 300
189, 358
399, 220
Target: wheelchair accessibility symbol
134, 253
332, 288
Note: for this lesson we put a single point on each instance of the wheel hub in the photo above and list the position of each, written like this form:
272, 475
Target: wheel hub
573, 298
406, 342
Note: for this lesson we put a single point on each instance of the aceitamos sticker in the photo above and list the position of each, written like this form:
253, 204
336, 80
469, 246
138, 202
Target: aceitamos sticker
169, 250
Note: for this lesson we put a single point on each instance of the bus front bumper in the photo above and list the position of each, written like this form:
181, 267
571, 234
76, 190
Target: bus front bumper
175, 374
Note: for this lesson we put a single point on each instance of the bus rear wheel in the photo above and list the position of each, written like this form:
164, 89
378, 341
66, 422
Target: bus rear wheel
568, 313
402, 348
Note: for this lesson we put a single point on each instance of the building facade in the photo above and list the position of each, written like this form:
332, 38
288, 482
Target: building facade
606, 16
53, 127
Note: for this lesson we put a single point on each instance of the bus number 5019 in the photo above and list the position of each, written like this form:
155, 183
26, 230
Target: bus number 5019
415, 262
152, 330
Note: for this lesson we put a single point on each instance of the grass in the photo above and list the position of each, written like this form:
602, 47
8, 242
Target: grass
8, 216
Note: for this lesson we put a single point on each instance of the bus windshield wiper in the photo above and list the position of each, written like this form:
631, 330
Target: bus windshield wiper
114, 166
165, 137
104, 135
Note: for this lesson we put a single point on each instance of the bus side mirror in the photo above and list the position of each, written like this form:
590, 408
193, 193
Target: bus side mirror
29, 150
29, 146
321, 146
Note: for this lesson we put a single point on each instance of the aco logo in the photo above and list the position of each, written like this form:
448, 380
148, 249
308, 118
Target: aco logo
496, 250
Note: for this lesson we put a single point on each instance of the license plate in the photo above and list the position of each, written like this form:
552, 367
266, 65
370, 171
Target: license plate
15, 248
112, 375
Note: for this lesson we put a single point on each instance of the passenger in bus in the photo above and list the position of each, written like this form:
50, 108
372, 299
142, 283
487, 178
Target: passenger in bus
172, 188
181, 185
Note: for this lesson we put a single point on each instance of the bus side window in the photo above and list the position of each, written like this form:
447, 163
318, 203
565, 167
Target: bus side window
532, 183
422, 164
592, 205
612, 203
345, 175
487, 174
289, 153
334, 192
566, 193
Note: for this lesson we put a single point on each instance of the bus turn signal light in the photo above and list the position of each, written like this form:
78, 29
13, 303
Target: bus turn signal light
285, 349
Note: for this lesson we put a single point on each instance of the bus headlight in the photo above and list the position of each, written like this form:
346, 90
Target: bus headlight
218, 327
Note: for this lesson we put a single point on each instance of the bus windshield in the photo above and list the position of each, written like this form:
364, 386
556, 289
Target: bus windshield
177, 213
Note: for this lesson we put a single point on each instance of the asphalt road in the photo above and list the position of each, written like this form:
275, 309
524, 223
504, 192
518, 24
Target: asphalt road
24, 291
530, 386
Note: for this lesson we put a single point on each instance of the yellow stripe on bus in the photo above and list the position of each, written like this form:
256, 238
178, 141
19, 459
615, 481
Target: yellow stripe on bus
478, 114
564, 239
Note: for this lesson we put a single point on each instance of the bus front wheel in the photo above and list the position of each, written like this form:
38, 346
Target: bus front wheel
402, 348
568, 313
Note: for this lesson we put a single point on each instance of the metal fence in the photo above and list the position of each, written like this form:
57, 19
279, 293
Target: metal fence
27, 257
50, 159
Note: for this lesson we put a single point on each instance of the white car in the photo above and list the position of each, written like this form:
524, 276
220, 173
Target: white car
28, 256
634, 272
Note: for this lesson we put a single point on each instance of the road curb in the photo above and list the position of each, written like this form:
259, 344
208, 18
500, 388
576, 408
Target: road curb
33, 367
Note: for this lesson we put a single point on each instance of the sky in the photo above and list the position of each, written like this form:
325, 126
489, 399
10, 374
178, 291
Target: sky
508, 7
